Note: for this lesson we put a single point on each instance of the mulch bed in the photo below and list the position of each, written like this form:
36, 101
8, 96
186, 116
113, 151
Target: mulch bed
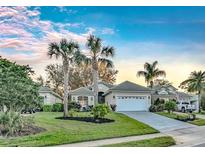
87, 119
28, 130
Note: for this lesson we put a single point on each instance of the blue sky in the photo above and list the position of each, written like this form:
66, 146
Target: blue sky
175, 36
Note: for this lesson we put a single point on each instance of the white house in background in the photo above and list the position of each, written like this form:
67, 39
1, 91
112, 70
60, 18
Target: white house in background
128, 96
49, 96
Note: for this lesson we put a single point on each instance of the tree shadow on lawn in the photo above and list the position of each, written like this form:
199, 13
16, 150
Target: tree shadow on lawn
87, 119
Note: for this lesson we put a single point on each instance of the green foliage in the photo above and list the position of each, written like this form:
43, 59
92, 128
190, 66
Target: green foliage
17, 90
157, 106
74, 105
57, 107
12, 122
47, 108
72, 112
100, 111
170, 106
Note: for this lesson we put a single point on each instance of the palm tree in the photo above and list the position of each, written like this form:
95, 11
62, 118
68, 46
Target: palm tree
195, 83
98, 54
70, 53
150, 73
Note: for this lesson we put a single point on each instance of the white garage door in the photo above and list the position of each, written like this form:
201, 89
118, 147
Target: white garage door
132, 103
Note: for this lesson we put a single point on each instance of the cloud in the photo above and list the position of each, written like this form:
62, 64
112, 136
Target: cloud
28, 36
109, 31
66, 10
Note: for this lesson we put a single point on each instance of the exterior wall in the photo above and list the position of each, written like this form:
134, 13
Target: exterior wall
90, 99
49, 98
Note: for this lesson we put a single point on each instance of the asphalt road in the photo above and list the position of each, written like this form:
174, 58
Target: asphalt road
200, 145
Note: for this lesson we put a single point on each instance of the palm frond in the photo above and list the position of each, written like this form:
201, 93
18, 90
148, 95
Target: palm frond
141, 73
108, 63
154, 64
158, 73
108, 51
53, 49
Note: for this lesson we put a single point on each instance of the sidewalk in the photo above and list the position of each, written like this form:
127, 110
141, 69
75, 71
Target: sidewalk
112, 141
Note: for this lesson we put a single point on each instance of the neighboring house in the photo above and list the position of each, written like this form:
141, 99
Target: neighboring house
164, 92
128, 96
82, 95
169, 92
49, 96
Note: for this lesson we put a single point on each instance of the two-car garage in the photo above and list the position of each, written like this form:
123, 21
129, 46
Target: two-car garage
129, 96
132, 103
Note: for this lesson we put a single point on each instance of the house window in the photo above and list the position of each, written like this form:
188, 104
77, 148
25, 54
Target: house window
73, 98
148, 97
113, 97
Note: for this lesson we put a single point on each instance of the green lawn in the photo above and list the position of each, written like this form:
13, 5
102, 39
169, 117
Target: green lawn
164, 141
198, 121
70, 131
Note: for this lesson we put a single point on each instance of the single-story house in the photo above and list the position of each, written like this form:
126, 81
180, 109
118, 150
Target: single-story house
49, 96
83, 95
128, 96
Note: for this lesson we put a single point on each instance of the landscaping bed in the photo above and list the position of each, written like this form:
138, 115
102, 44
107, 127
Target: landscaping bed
164, 141
183, 117
29, 130
72, 131
88, 119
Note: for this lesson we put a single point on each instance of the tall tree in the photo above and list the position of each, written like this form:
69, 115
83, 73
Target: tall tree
195, 83
150, 73
70, 53
106, 73
17, 89
55, 77
98, 54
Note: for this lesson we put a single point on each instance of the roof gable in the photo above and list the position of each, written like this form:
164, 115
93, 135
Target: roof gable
82, 91
129, 86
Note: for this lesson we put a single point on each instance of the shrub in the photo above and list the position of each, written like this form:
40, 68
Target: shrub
153, 108
47, 108
170, 106
100, 111
159, 102
160, 107
182, 117
74, 105
113, 107
57, 107
12, 122
71, 112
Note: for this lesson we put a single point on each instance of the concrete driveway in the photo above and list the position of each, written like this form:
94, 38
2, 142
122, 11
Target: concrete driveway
161, 123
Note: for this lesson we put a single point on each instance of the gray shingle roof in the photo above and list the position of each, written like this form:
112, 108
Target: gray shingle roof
182, 94
45, 89
130, 87
82, 91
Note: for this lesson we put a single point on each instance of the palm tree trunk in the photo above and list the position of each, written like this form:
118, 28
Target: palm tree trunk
65, 97
95, 81
199, 100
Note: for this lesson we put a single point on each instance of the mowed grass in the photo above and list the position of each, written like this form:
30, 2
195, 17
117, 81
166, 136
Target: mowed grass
164, 141
70, 131
197, 121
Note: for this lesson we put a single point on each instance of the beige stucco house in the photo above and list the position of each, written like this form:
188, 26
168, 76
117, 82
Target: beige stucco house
49, 96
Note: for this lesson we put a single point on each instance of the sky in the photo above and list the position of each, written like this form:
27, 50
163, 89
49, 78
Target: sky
174, 36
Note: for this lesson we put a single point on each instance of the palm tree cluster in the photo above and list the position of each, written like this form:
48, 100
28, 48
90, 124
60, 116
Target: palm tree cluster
69, 52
